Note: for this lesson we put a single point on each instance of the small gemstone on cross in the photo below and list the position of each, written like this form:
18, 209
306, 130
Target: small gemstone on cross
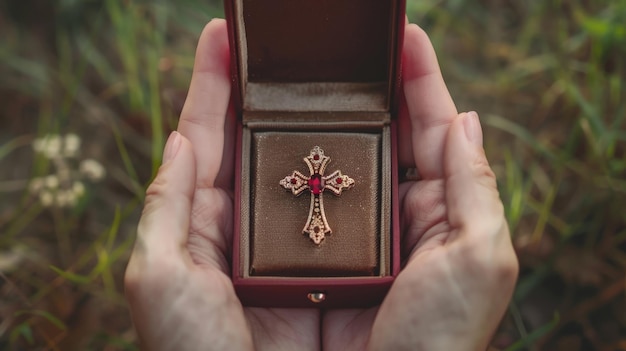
316, 184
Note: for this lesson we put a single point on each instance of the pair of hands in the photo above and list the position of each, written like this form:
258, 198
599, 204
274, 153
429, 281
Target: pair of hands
459, 264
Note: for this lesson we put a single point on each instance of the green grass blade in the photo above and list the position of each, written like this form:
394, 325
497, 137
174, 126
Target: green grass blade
45, 314
535, 335
72, 277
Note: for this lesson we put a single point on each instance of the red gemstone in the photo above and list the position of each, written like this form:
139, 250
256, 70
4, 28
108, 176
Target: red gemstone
316, 157
338, 180
293, 181
316, 184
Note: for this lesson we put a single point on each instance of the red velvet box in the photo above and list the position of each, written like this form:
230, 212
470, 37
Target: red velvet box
307, 74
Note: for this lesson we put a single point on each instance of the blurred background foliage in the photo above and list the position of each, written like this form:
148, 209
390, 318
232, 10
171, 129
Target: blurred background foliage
90, 88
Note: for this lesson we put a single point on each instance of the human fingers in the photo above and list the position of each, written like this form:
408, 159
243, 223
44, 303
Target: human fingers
203, 116
471, 191
475, 211
164, 223
429, 105
479, 235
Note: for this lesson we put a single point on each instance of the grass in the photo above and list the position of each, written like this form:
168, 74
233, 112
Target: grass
547, 77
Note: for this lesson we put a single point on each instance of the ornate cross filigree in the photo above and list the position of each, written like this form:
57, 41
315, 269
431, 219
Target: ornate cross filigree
316, 225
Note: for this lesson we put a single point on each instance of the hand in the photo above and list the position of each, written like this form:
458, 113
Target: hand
178, 278
459, 267
459, 270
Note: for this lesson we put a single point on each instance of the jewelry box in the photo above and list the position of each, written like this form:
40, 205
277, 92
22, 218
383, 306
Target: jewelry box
316, 205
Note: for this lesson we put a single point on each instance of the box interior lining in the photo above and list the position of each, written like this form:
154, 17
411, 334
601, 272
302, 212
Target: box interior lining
314, 55
383, 222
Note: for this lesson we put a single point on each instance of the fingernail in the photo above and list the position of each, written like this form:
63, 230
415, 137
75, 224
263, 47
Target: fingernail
171, 146
473, 132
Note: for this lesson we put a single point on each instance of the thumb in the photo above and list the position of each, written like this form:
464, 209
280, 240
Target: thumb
474, 204
164, 223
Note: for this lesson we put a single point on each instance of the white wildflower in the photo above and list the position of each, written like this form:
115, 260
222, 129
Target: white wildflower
36, 184
49, 146
52, 181
71, 145
65, 198
78, 188
92, 169
65, 186
60, 199
46, 198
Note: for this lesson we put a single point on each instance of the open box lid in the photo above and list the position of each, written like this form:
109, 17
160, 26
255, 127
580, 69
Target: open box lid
315, 55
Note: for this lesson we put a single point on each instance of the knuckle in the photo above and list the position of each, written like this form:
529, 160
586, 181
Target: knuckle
493, 258
154, 192
132, 279
424, 200
158, 185
423, 207
486, 180
482, 170
146, 275
509, 269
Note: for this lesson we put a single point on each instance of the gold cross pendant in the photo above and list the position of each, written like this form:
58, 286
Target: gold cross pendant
316, 225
